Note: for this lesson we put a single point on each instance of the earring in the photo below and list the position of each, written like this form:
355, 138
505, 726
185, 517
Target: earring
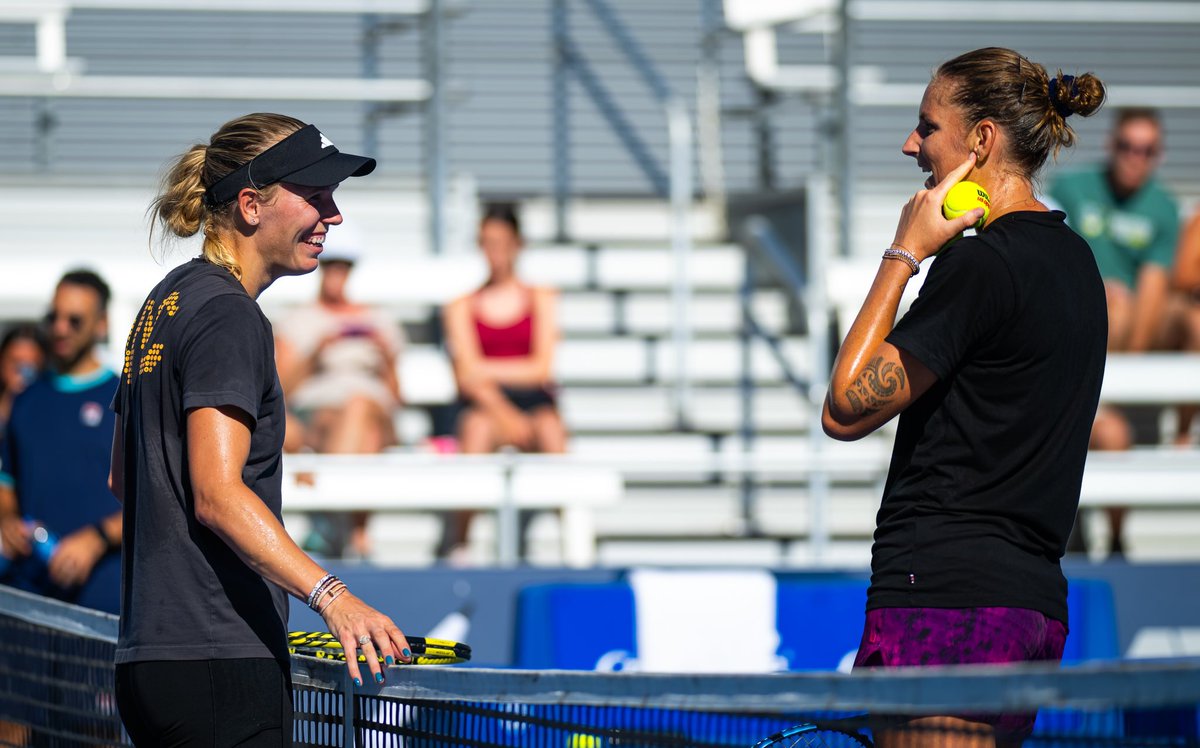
253, 221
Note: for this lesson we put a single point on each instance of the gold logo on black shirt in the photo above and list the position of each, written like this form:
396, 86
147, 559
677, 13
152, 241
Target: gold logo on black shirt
144, 327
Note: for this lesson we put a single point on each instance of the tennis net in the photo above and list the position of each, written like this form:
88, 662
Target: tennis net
56, 688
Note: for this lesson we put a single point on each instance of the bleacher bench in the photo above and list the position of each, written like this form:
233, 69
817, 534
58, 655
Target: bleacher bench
414, 482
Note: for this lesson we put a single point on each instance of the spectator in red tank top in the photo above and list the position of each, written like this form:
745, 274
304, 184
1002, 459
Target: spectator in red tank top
502, 339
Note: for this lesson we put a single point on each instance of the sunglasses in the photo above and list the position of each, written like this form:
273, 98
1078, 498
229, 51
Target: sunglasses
1145, 151
74, 321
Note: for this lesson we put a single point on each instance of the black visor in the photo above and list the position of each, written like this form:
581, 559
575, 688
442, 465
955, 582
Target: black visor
306, 157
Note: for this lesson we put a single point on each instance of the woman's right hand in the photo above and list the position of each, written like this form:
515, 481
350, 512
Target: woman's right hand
513, 427
923, 230
353, 621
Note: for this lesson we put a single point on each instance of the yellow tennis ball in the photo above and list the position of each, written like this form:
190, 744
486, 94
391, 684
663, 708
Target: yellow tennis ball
580, 740
964, 197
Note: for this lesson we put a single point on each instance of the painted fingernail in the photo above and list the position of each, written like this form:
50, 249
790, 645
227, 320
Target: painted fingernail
379, 677
406, 652
357, 682
389, 660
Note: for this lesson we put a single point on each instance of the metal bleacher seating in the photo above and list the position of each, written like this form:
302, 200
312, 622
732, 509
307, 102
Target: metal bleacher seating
681, 499
617, 366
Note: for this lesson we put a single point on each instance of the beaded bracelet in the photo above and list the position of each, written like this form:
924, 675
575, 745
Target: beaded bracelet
319, 589
896, 252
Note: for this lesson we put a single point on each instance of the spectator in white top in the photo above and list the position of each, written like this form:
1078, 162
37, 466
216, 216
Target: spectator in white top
337, 363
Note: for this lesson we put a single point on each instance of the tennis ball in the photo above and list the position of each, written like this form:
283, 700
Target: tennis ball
964, 197
579, 740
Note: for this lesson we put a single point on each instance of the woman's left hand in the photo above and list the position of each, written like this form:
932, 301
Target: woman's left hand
359, 626
923, 230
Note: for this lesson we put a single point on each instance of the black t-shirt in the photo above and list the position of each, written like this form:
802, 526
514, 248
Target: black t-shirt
199, 341
985, 473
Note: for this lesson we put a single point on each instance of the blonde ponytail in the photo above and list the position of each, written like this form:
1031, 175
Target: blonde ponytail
180, 210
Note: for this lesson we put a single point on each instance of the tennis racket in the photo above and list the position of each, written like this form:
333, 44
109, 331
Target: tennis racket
812, 735
325, 646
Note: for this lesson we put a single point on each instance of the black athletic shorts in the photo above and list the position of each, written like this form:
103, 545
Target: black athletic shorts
525, 400
529, 400
245, 702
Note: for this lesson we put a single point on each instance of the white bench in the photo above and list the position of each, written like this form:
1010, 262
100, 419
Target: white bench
1142, 478
1151, 378
654, 268
498, 483
593, 480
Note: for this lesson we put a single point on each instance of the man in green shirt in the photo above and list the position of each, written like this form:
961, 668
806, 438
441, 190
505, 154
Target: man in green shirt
1131, 223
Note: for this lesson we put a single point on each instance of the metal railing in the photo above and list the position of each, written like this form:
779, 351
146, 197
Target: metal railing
767, 252
676, 182
52, 74
573, 63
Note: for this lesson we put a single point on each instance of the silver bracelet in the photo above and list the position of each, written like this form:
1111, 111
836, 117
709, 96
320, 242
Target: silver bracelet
336, 594
908, 258
319, 589
328, 594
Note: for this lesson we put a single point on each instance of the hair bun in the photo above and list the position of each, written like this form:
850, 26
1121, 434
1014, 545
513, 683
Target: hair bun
1070, 94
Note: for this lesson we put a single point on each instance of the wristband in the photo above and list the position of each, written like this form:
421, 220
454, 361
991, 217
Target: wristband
109, 545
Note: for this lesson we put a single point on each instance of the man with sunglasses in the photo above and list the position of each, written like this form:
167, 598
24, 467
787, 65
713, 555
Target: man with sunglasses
59, 524
1131, 222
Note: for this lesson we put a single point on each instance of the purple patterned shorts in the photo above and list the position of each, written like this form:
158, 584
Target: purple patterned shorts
903, 637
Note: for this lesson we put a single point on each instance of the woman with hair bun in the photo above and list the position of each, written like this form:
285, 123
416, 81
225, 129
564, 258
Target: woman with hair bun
202, 652
995, 374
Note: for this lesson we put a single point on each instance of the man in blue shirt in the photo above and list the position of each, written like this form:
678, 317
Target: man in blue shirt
60, 527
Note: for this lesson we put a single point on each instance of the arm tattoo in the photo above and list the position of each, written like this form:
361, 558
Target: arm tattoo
876, 386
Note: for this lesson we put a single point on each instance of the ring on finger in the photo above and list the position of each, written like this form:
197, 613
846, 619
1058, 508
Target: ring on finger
364, 639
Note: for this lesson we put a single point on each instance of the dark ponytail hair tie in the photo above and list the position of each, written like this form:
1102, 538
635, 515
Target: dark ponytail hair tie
1063, 110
